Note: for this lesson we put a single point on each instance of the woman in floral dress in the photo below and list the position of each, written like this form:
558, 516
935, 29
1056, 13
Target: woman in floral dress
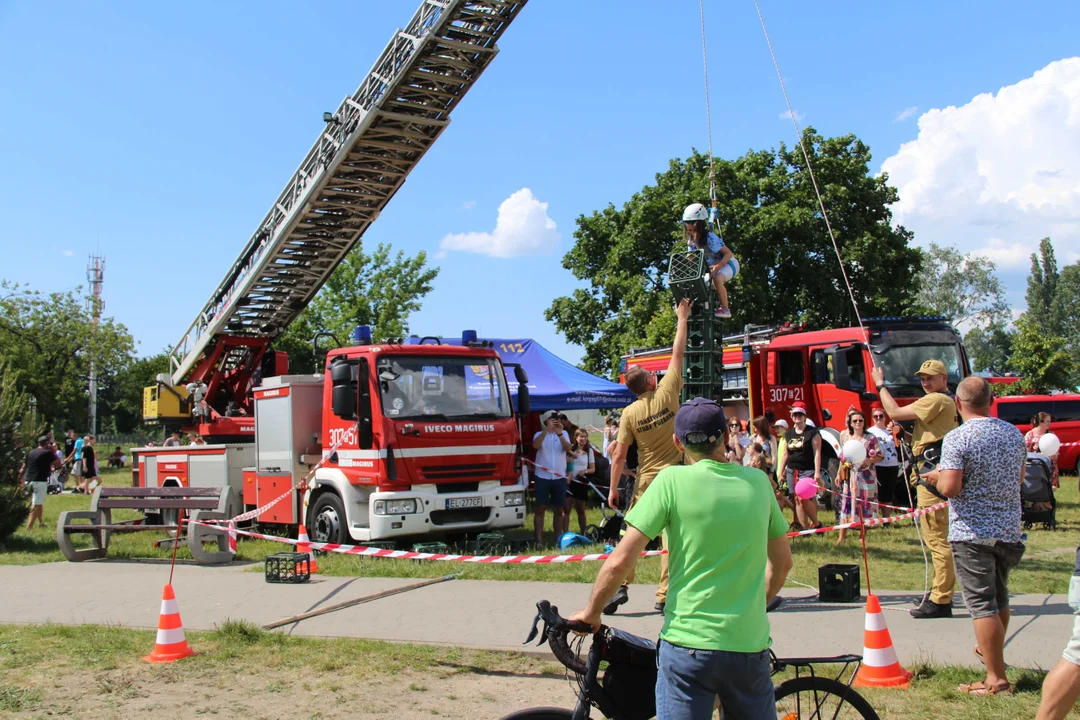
858, 500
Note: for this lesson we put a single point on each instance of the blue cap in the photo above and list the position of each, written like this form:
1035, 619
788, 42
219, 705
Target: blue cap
700, 420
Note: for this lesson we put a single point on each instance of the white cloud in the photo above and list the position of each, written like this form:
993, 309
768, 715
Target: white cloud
786, 115
468, 205
69, 253
906, 114
999, 173
522, 228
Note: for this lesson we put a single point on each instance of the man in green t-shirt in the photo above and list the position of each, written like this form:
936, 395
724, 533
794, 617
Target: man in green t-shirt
727, 557
935, 415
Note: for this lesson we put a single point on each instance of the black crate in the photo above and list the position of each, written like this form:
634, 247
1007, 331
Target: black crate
489, 544
436, 548
838, 583
287, 568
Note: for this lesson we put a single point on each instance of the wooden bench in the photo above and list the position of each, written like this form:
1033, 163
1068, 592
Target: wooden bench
197, 503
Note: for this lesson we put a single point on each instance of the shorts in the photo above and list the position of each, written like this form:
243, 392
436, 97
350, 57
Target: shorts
550, 491
40, 491
727, 271
1072, 649
579, 490
983, 572
76, 468
792, 479
886, 485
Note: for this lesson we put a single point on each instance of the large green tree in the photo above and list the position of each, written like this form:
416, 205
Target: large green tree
380, 289
964, 288
771, 219
47, 342
1042, 287
990, 348
120, 399
1040, 358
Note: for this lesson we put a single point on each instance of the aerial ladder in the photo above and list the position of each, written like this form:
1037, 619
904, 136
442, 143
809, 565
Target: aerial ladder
359, 161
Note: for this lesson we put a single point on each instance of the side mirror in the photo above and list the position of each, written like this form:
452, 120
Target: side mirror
841, 377
365, 424
522, 377
343, 388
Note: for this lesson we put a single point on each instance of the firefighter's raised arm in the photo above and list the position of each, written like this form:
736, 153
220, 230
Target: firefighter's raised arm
678, 347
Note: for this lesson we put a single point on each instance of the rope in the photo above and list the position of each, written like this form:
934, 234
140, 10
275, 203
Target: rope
708, 119
813, 178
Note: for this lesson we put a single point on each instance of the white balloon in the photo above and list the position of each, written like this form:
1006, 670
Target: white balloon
855, 452
1049, 444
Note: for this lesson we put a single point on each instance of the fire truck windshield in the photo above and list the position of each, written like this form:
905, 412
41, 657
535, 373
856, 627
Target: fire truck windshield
900, 362
445, 388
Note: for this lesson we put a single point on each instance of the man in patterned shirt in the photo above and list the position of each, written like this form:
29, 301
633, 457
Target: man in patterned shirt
981, 469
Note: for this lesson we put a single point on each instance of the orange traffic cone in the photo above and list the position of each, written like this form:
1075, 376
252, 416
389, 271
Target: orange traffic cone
313, 565
880, 666
171, 644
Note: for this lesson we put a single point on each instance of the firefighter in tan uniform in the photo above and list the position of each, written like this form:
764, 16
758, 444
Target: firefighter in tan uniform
649, 422
934, 415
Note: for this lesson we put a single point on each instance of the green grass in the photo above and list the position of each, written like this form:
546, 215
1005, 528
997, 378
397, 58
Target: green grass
39, 666
896, 561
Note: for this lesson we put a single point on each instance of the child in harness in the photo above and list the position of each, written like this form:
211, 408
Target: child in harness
718, 257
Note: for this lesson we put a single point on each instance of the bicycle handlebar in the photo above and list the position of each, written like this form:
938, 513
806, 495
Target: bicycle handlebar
556, 629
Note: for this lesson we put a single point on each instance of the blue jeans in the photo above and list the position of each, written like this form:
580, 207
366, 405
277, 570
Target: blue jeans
689, 681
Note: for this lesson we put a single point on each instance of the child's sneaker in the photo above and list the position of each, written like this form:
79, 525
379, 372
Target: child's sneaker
722, 313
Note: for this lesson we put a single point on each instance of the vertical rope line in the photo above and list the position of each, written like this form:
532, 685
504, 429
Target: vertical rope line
708, 107
813, 178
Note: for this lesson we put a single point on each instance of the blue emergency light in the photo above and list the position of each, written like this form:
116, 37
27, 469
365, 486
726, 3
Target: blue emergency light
468, 337
361, 335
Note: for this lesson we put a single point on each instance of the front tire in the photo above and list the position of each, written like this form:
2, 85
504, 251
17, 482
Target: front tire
541, 713
820, 697
327, 523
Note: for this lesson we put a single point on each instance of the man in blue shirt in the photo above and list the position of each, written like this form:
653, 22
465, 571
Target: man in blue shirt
722, 263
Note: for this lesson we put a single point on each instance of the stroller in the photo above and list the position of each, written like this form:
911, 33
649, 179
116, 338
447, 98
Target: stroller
1037, 494
57, 478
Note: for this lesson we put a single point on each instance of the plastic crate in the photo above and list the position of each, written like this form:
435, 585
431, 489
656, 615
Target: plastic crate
431, 547
381, 545
838, 583
489, 544
287, 568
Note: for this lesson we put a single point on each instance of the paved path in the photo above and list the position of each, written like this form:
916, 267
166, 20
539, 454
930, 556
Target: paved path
480, 613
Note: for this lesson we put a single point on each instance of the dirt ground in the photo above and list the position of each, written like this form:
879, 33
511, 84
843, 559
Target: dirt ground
307, 695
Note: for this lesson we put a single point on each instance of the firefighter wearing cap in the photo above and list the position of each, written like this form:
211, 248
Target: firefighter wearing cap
934, 415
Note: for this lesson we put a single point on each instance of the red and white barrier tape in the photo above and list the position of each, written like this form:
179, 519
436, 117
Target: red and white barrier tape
873, 522
411, 555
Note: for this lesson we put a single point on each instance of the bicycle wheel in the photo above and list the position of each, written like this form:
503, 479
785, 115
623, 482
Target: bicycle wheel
541, 713
819, 698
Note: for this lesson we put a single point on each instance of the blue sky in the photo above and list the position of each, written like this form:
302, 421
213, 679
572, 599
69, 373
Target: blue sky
159, 134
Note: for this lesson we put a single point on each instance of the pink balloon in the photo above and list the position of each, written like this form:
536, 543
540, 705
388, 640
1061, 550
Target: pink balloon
806, 488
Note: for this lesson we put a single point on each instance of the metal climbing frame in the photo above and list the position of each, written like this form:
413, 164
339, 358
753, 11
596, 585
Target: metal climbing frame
703, 361
361, 158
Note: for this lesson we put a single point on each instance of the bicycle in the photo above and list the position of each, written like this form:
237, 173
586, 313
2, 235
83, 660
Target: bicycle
626, 690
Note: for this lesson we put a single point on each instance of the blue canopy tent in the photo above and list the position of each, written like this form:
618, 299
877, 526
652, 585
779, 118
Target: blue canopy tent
554, 384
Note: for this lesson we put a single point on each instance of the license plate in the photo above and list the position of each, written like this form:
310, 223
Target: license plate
458, 503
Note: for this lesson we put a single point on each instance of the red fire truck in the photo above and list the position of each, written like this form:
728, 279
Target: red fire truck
766, 369
425, 438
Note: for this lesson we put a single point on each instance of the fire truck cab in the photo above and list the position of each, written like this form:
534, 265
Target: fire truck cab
424, 440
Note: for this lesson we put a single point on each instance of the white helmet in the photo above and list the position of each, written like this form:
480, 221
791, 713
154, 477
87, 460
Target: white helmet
694, 212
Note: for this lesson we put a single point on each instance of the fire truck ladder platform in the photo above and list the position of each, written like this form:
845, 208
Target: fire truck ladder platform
359, 161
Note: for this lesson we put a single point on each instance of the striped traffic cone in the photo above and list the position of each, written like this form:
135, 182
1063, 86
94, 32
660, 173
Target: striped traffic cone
313, 564
880, 666
171, 644
232, 538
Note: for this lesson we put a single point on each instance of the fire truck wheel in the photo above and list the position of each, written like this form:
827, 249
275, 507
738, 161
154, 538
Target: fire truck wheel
328, 520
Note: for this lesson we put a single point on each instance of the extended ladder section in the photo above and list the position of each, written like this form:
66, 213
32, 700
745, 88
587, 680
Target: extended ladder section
357, 164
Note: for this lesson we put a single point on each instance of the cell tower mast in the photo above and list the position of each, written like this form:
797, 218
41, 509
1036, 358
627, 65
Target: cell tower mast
95, 275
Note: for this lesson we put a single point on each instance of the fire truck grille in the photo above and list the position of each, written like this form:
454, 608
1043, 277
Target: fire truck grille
453, 517
473, 473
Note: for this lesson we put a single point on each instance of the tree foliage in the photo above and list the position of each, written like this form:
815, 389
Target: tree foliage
1040, 358
120, 400
16, 437
964, 288
771, 220
47, 342
1042, 288
380, 289
990, 348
